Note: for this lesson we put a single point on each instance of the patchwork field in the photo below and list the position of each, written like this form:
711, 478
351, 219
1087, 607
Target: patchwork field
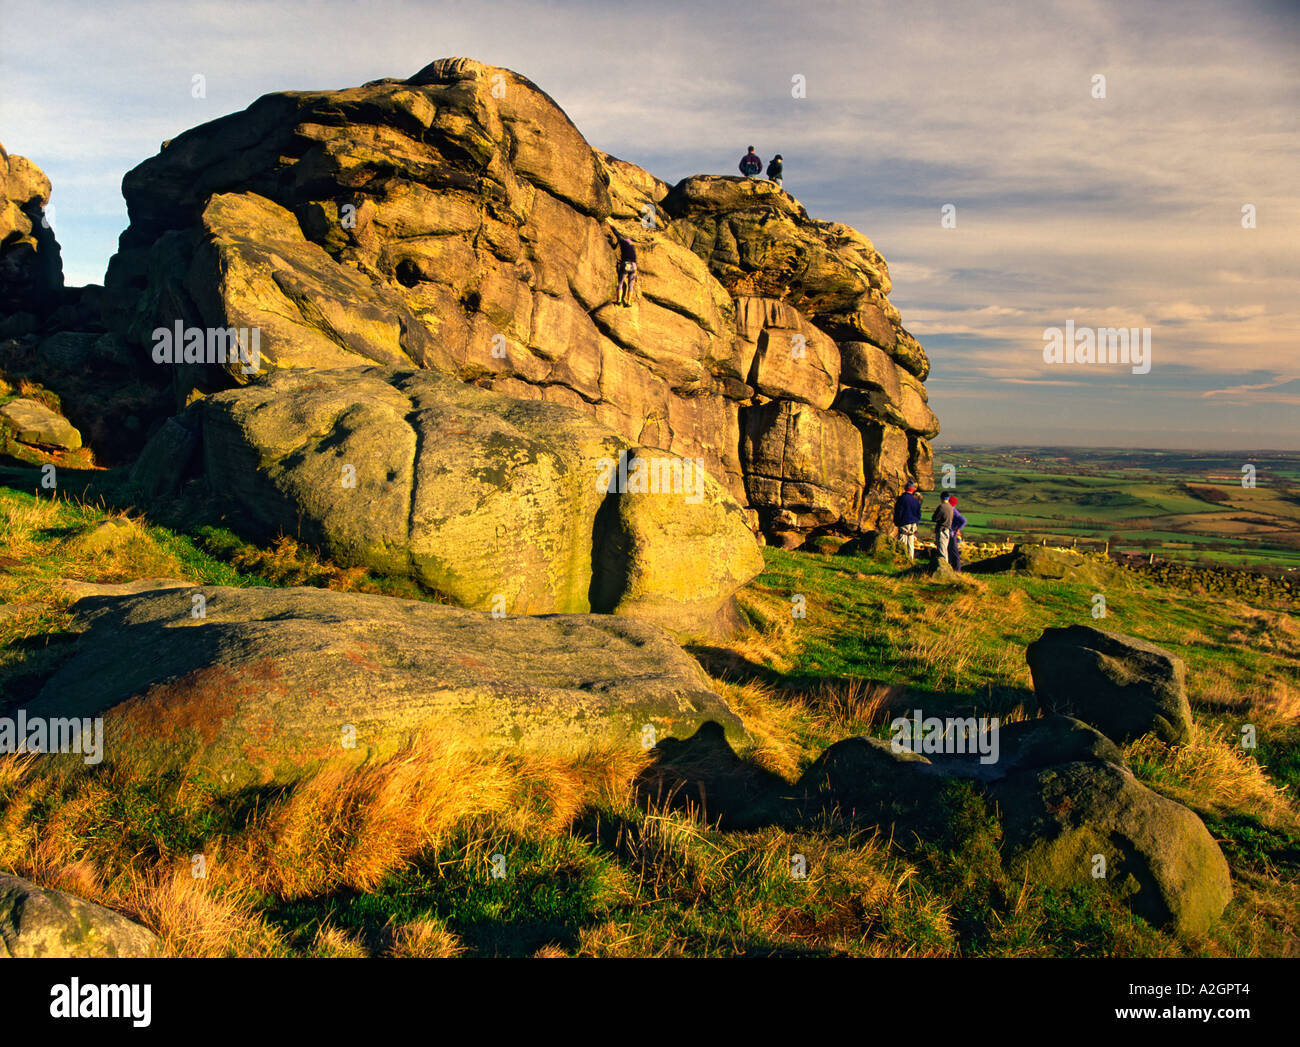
1180, 506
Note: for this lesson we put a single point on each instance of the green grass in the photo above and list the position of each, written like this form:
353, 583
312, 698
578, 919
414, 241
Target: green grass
626, 876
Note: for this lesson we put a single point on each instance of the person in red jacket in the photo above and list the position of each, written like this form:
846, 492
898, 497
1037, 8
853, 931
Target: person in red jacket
954, 543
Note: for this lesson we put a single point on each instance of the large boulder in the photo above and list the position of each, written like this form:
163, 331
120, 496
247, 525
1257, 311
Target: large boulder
1122, 685
263, 685
39, 922
455, 221
496, 503
1081, 823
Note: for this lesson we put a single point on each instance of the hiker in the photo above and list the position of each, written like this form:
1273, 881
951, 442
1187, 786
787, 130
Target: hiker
907, 515
750, 164
627, 274
954, 543
942, 519
774, 169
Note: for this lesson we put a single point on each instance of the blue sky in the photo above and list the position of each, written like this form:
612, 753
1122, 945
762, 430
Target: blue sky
1116, 211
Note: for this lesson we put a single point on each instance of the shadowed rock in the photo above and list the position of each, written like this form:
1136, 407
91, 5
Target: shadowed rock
1075, 824
1071, 812
1123, 686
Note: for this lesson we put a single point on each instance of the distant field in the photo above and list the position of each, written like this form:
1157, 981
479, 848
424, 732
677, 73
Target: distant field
1183, 506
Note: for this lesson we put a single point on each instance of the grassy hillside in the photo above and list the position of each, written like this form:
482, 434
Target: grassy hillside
398, 859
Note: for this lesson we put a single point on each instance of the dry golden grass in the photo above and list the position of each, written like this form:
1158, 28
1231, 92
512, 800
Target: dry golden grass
193, 918
774, 634
335, 943
341, 828
428, 939
288, 562
1213, 772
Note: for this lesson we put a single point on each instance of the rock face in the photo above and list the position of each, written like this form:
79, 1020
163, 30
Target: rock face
455, 221
499, 504
38, 922
31, 270
269, 683
1123, 686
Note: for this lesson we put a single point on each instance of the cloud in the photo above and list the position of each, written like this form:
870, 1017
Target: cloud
1122, 210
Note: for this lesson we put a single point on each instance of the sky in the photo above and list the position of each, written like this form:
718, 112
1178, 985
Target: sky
1113, 202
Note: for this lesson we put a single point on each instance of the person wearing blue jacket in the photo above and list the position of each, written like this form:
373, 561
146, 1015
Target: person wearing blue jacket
954, 546
907, 515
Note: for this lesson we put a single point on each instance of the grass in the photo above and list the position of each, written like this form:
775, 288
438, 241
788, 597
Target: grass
400, 858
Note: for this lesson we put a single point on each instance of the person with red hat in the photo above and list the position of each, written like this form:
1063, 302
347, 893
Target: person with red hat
954, 543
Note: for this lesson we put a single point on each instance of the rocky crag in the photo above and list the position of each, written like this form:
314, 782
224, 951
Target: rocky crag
455, 221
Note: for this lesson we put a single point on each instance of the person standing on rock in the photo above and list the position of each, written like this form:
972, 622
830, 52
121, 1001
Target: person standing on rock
907, 516
627, 274
954, 542
942, 520
750, 164
775, 170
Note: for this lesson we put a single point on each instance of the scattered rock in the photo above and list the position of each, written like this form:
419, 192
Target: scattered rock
103, 537
270, 683
1158, 856
1045, 562
1062, 792
878, 546
40, 922
36, 425
168, 459
1123, 686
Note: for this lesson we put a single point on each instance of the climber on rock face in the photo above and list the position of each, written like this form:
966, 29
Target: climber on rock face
627, 273
750, 164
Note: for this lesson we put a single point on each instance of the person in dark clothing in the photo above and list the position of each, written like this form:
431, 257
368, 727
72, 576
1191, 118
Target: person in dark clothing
954, 542
907, 515
775, 169
942, 520
627, 273
750, 164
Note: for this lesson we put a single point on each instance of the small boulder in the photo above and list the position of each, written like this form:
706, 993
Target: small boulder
1061, 823
1041, 561
1123, 686
40, 922
36, 425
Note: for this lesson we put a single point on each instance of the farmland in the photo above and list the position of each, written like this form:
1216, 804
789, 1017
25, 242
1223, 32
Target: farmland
1213, 509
